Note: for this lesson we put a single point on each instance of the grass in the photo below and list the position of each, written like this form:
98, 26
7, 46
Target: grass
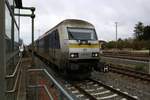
140, 67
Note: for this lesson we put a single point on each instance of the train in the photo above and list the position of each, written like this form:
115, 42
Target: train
72, 46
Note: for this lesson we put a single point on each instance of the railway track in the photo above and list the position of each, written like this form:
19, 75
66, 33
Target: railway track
145, 59
96, 90
131, 73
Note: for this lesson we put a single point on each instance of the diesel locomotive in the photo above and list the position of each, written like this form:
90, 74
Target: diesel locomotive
72, 46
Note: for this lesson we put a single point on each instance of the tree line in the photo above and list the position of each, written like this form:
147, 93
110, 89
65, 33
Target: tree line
141, 32
141, 39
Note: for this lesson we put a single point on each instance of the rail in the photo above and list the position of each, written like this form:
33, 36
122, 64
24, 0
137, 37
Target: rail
131, 70
129, 97
83, 91
136, 59
131, 73
127, 59
54, 81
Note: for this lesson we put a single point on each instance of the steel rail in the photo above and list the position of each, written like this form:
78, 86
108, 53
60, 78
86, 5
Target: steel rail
45, 88
131, 73
130, 70
126, 58
84, 92
129, 97
54, 81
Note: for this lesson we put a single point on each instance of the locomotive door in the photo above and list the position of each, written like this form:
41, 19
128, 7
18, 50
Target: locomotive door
54, 45
54, 49
46, 47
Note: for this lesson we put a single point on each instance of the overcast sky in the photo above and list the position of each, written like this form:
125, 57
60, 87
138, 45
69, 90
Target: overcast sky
101, 13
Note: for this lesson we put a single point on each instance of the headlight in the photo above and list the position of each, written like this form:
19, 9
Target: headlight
95, 54
73, 55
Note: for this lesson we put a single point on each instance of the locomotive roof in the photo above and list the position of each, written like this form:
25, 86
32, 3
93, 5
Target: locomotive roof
74, 21
67, 21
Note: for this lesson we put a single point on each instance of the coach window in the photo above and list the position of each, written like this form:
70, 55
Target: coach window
57, 42
40, 43
46, 43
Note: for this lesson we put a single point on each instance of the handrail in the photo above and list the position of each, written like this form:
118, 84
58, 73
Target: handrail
45, 87
54, 81
15, 85
17, 78
15, 71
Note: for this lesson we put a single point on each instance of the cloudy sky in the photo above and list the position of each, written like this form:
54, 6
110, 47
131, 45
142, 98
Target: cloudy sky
101, 13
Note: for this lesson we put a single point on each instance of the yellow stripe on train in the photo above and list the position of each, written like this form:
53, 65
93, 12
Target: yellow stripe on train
84, 46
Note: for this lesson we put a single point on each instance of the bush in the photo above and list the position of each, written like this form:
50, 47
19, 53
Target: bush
139, 67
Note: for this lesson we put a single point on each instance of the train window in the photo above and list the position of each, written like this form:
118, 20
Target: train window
41, 43
46, 43
81, 34
57, 42
54, 39
56, 35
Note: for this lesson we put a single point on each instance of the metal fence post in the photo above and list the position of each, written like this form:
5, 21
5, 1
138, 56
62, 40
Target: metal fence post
33, 16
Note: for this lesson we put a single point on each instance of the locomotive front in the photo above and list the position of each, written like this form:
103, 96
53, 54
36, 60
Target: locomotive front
83, 49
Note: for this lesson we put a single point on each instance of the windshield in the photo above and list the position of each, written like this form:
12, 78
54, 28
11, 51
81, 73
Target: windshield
81, 34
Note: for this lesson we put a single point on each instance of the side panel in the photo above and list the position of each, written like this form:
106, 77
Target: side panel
50, 48
64, 46
2, 51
